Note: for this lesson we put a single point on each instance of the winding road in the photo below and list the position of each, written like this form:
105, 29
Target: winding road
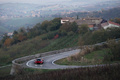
49, 61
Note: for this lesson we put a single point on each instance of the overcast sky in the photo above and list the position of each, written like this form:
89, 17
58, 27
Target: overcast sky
28, 1
46, 1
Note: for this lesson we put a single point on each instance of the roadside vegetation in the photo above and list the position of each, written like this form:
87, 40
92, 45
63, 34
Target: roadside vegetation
93, 58
5, 72
105, 54
107, 72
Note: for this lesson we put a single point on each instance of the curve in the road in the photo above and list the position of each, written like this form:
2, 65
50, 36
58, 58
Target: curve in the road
49, 61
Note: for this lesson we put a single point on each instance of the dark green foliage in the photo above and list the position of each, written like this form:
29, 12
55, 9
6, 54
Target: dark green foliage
44, 25
54, 24
4, 38
51, 25
63, 33
62, 42
93, 73
50, 35
15, 32
116, 20
39, 29
83, 29
101, 35
5, 72
70, 33
74, 27
68, 28
114, 53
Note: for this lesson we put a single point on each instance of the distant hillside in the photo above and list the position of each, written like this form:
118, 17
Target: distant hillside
16, 15
3, 30
9, 25
106, 14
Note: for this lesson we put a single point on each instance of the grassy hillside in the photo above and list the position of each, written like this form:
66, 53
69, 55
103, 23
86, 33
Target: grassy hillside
42, 38
64, 42
95, 57
35, 45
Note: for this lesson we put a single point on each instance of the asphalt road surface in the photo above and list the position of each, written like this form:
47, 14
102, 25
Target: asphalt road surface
49, 61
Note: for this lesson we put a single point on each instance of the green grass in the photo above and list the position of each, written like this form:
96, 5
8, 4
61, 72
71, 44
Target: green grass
64, 61
5, 71
96, 54
95, 57
61, 43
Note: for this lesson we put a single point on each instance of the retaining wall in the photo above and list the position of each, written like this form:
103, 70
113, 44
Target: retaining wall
17, 66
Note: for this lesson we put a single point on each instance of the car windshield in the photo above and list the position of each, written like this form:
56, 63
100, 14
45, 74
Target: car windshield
38, 59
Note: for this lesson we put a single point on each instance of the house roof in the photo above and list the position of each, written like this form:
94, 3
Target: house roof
91, 18
104, 24
110, 22
90, 26
88, 20
80, 21
68, 18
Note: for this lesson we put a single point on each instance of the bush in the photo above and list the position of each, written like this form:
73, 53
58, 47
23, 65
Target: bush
90, 73
70, 33
49, 35
108, 57
114, 53
63, 33
101, 35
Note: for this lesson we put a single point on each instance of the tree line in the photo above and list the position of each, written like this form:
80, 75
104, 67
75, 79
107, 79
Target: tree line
54, 29
49, 30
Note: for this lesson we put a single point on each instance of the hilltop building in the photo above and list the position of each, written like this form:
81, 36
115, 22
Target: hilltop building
67, 19
10, 34
93, 23
109, 24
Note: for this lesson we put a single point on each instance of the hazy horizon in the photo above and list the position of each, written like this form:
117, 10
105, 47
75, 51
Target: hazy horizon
52, 1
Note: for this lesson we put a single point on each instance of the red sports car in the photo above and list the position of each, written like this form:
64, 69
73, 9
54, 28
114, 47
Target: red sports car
39, 61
